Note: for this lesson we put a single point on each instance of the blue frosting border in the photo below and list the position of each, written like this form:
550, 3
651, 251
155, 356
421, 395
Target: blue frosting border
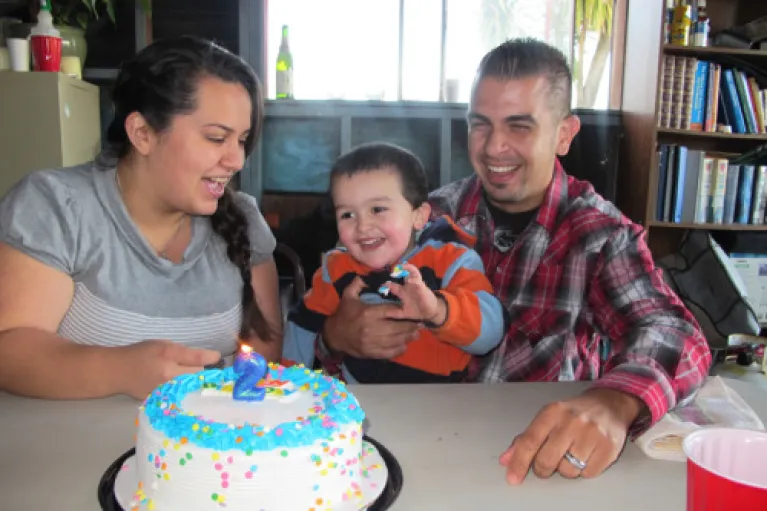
163, 409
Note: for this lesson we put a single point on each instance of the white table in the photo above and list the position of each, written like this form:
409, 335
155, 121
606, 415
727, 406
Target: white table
53, 454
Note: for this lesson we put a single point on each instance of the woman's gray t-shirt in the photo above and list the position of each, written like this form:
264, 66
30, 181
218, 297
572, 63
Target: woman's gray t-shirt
74, 220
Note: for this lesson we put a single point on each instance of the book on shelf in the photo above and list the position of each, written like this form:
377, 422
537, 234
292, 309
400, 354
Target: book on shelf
704, 187
666, 91
712, 97
702, 95
732, 103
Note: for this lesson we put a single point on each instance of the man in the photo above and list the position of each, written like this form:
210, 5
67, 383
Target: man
572, 271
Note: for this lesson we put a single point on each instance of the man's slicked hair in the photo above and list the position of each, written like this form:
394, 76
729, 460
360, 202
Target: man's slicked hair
526, 57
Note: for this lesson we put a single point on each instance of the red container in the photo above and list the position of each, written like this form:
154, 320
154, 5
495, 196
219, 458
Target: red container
46, 52
726, 470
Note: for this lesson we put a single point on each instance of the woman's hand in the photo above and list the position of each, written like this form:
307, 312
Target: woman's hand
36, 362
141, 367
419, 303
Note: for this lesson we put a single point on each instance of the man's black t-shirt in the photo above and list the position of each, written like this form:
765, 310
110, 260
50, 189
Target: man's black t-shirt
508, 226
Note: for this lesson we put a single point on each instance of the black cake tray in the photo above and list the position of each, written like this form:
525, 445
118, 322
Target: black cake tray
390, 493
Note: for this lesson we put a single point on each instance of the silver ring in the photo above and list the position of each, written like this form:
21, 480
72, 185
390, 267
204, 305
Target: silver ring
580, 465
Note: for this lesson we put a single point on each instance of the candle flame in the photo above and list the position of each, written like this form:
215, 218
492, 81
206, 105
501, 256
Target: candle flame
244, 348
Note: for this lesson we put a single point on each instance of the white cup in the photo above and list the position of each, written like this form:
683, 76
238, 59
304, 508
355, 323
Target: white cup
19, 53
451, 90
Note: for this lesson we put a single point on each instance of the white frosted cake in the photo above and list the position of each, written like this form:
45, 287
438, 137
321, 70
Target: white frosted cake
300, 448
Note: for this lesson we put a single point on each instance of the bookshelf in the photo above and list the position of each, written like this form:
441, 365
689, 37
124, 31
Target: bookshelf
710, 227
645, 50
703, 135
712, 51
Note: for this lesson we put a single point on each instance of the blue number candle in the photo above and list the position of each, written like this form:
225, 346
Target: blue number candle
251, 368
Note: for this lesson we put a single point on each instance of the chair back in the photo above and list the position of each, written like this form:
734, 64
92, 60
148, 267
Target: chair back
291, 275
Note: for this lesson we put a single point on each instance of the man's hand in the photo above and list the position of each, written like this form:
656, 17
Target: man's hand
591, 427
363, 330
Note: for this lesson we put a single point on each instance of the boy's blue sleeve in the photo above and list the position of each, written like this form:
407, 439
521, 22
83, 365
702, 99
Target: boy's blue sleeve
476, 320
306, 319
298, 344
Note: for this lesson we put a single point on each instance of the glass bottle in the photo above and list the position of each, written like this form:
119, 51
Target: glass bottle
284, 68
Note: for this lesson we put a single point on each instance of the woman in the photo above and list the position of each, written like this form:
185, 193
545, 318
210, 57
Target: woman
120, 274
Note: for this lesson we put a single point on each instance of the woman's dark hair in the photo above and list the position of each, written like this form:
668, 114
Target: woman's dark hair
160, 82
381, 155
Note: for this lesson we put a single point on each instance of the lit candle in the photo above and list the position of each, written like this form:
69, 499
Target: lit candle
251, 368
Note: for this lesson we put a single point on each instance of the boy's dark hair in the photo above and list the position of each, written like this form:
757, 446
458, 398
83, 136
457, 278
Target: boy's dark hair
525, 57
382, 155
161, 82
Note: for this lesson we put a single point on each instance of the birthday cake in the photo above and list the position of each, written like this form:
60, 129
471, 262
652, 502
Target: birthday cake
300, 448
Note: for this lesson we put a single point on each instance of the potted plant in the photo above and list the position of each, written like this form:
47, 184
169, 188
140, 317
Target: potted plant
73, 17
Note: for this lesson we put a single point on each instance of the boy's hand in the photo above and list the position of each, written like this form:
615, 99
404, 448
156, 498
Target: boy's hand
419, 303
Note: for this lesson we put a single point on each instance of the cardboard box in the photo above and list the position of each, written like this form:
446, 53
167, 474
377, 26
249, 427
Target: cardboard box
753, 271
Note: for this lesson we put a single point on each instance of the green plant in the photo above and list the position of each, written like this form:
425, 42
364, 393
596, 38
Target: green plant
82, 12
592, 16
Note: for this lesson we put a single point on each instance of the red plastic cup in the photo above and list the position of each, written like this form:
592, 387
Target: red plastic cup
726, 470
46, 52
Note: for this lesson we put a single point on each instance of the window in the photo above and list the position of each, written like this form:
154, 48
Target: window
475, 27
350, 49
342, 49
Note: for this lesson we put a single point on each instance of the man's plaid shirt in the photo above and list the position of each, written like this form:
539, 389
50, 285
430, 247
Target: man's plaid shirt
579, 275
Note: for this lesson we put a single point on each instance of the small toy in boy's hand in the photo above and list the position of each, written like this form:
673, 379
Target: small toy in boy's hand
399, 272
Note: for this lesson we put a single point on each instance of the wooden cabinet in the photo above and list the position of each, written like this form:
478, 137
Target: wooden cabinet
47, 120
645, 51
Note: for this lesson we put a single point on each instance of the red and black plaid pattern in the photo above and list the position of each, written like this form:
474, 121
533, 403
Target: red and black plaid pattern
585, 299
